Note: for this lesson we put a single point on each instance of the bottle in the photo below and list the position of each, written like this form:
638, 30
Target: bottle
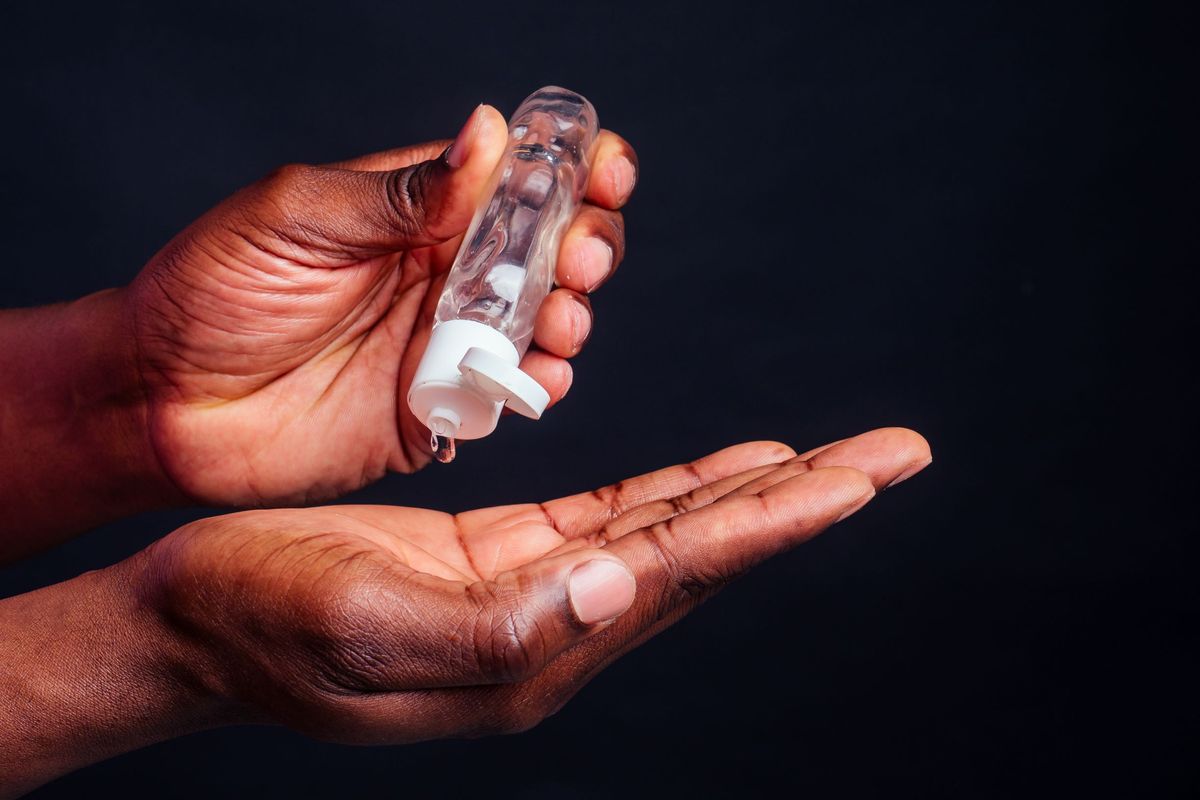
503, 271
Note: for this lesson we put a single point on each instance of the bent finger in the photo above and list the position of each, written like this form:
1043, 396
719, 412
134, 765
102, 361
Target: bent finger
552, 372
563, 323
591, 249
614, 171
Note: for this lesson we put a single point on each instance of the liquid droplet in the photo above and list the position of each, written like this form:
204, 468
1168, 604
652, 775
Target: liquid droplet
443, 447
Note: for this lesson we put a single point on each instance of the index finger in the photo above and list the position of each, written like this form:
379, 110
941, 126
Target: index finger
614, 171
584, 513
614, 166
395, 158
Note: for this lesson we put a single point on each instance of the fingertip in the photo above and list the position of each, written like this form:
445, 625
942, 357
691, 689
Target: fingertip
843, 482
907, 445
584, 263
601, 588
449, 187
912, 450
614, 171
865, 493
493, 132
849, 489
829, 493
479, 144
739, 458
623, 176
858, 483
778, 451
563, 323
552, 372
888, 455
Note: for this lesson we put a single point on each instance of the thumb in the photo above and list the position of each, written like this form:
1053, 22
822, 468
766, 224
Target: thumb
526, 617
339, 216
503, 630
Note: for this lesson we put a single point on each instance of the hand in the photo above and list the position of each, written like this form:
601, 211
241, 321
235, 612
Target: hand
381, 624
376, 624
276, 336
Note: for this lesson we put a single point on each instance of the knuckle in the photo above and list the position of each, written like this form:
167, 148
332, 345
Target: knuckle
407, 198
508, 643
277, 209
286, 178
690, 501
609, 227
683, 584
613, 498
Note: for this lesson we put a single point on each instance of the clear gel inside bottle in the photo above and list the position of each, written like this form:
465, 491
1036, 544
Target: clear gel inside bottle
506, 265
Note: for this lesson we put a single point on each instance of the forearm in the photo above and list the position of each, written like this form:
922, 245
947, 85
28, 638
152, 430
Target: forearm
89, 670
74, 446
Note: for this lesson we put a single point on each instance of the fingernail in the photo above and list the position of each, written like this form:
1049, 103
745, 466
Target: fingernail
581, 323
626, 177
597, 251
600, 590
912, 469
457, 153
862, 501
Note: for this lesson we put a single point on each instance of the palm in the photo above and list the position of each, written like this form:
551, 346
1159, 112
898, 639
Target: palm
461, 549
466, 548
279, 382
453, 550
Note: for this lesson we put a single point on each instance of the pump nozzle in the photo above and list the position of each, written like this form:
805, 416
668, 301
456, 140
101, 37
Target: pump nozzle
468, 374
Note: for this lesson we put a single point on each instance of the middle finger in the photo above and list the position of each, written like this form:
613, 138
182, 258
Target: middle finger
591, 249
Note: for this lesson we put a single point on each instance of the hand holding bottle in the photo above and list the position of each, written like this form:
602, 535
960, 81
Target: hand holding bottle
284, 327
262, 357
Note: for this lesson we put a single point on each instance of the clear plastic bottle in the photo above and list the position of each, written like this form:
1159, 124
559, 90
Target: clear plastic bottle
503, 271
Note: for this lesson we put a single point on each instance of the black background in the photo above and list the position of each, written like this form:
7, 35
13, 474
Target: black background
970, 218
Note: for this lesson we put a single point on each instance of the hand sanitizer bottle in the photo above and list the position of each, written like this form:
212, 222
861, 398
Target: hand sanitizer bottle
503, 271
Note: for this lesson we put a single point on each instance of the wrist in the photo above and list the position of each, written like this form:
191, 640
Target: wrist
78, 450
88, 670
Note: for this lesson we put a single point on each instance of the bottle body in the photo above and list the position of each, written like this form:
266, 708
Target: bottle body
506, 264
504, 269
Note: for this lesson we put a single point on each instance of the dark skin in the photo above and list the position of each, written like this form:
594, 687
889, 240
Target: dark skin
268, 346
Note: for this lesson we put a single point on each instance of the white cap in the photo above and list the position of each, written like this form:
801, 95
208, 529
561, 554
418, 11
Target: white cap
468, 374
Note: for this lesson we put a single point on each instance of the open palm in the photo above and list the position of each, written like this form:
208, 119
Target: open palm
277, 335
373, 623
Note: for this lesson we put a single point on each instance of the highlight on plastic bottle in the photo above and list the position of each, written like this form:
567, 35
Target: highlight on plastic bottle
505, 268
